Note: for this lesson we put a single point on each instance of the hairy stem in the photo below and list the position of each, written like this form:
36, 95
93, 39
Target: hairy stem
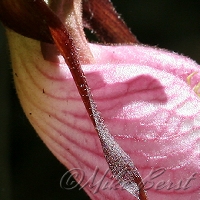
70, 13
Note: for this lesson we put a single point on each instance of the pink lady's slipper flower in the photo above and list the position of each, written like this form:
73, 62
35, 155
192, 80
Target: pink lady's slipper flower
127, 113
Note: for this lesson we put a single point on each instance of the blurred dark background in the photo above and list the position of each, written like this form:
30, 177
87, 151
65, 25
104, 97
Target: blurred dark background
27, 169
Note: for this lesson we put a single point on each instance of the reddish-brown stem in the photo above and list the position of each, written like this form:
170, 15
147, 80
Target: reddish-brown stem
119, 162
65, 43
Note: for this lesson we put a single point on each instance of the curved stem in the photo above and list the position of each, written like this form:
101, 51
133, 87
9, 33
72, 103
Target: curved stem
120, 164
70, 13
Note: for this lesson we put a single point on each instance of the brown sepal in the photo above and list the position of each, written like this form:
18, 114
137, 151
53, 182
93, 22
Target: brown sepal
101, 17
20, 16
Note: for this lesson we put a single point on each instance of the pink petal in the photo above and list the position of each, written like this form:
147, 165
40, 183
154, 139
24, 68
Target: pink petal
146, 103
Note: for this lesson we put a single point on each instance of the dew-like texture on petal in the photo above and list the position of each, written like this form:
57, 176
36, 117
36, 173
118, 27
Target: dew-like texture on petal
146, 103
